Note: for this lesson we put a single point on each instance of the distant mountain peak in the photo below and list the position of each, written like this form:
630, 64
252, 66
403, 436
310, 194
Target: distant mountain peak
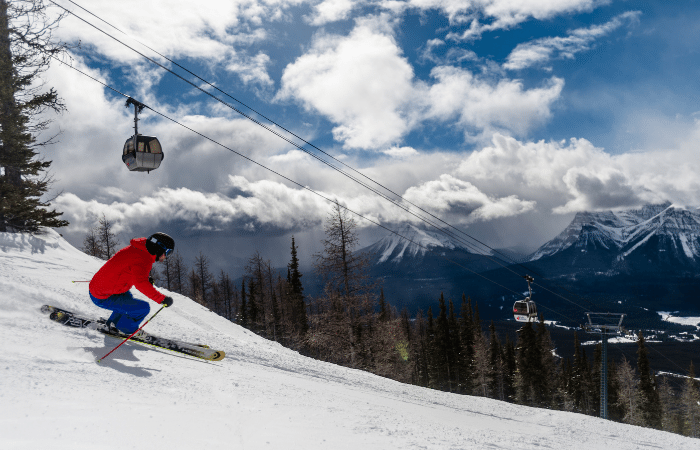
673, 229
411, 241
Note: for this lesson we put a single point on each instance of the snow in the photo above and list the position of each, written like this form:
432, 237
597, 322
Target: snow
630, 230
261, 396
411, 240
690, 321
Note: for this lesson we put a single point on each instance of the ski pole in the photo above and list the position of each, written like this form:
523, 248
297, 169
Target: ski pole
132, 334
80, 281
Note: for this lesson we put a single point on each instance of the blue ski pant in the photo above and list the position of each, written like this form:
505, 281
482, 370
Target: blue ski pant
127, 311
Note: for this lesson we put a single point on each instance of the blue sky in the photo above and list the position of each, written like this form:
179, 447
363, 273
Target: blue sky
501, 117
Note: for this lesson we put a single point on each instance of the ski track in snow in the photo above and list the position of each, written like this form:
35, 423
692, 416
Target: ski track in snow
261, 396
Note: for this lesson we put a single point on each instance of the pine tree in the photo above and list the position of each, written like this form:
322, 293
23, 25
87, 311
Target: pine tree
650, 404
383, 309
510, 369
26, 49
298, 308
496, 365
442, 348
690, 398
547, 382
243, 311
615, 412
529, 363
466, 337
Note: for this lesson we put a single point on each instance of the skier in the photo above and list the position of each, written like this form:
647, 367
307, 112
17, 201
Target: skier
130, 266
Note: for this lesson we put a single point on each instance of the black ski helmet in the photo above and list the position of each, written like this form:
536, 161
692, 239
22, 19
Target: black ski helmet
159, 243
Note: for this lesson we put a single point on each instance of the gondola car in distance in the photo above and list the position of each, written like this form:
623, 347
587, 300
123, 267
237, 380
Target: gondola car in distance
145, 156
525, 310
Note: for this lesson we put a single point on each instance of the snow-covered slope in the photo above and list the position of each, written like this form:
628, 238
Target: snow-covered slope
671, 229
262, 396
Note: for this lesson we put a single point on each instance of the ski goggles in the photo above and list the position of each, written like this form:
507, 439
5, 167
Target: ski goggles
167, 250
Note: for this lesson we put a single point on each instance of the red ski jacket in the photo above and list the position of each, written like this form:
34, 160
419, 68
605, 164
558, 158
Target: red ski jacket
128, 267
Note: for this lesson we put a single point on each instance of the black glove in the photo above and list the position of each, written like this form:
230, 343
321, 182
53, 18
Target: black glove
150, 279
167, 301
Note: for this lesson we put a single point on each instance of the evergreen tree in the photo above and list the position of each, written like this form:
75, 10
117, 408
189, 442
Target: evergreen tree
298, 308
496, 365
383, 309
650, 404
547, 382
466, 336
510, 369
581, 380
690, 398
243, 311
26, 49
453, 349
615, 412
442, 348
529, 363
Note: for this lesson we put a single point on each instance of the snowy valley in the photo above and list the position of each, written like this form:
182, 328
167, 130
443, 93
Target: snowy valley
261, 396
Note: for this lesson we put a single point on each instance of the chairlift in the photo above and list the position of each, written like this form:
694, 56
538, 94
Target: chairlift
526, 310
141, 153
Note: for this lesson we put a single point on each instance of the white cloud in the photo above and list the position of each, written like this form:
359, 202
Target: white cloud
489, 15
367, 88
260, 203
252, 69
401, 152
361, 82
329, 11
482, 106
541, 50
454, 198
576, 176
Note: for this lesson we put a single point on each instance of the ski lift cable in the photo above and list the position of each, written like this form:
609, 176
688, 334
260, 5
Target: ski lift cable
300, 147
472, 246
291, 132
289, 179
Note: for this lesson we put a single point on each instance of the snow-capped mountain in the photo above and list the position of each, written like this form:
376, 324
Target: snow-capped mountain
411, 242
654, 237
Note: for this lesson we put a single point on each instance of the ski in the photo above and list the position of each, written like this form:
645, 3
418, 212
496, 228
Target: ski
71, 319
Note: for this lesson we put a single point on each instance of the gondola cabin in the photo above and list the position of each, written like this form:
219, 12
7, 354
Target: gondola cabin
525, 310
145, 156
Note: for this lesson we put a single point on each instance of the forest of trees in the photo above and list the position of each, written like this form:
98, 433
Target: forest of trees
352, 324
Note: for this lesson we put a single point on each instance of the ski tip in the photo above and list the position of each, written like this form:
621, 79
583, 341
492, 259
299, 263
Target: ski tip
218, 356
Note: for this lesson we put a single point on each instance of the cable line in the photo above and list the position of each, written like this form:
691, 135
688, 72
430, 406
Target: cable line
449, 233
285, 177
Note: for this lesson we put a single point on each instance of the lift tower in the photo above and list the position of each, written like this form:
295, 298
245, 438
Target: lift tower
605, 324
